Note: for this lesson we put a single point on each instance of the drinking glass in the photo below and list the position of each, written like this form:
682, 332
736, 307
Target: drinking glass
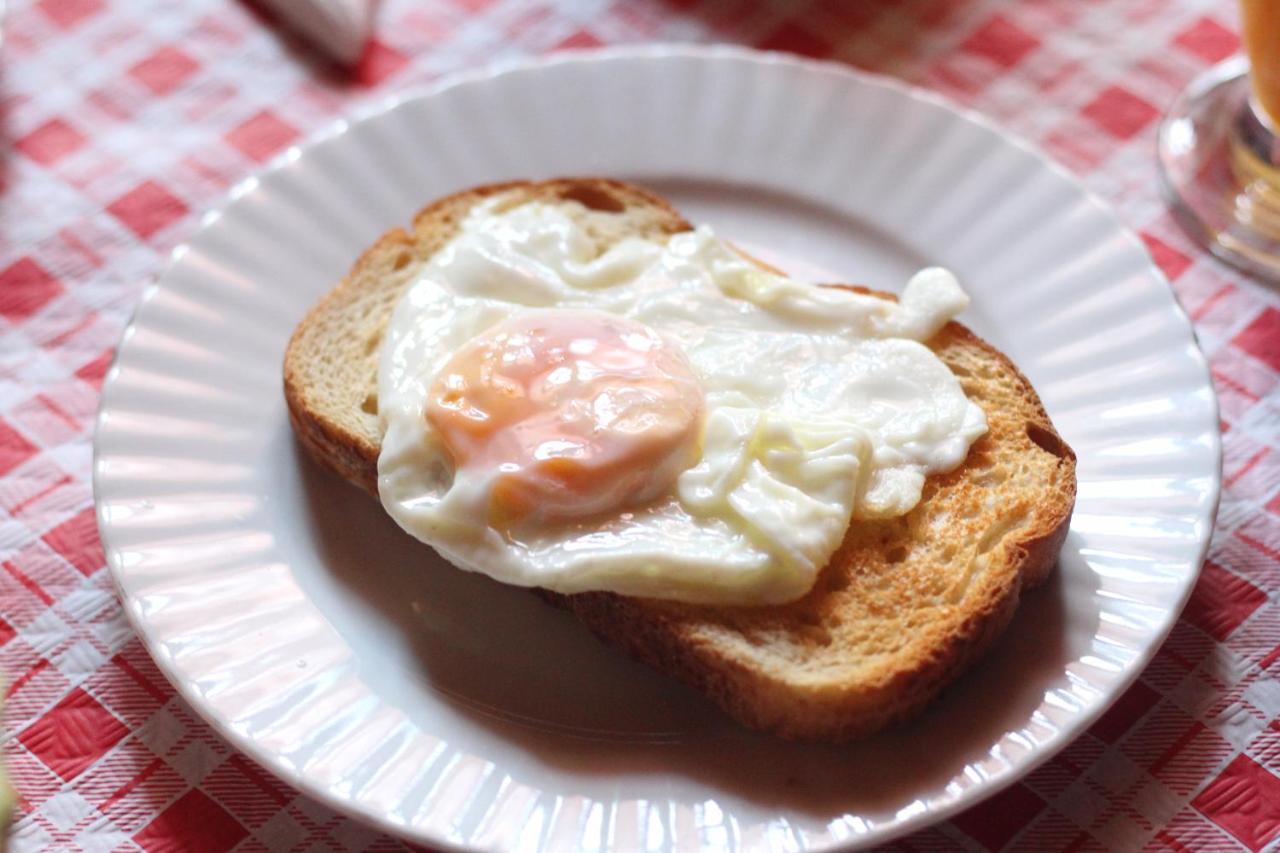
1220, 154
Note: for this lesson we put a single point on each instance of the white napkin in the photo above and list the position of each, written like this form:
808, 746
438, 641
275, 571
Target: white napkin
339, 27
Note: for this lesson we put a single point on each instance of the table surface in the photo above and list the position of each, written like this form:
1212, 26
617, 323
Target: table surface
125, 119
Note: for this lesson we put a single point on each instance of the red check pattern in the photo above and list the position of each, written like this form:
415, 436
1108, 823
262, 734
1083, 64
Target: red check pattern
127, 119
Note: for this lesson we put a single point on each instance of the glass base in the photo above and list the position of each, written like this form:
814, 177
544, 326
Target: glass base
1220, 165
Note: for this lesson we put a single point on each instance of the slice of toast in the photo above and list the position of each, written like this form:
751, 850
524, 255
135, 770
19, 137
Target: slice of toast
904, 606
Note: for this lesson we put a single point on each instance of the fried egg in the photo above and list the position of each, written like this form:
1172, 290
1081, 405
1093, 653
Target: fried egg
661, 419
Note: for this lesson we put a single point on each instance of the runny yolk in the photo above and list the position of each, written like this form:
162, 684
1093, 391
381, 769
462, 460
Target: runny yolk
572, 412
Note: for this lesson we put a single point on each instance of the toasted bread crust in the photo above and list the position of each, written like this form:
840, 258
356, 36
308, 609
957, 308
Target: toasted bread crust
901, 610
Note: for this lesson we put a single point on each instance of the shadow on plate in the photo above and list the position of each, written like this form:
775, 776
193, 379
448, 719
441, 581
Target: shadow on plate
530, 675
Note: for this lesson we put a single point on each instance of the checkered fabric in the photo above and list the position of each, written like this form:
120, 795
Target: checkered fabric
127, 118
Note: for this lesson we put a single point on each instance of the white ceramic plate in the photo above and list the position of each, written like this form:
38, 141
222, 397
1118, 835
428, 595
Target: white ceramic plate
351, 661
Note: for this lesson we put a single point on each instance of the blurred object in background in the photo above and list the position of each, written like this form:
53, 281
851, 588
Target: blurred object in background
1220, 152
341, 28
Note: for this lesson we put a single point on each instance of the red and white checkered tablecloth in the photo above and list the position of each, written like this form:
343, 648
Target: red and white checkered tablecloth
124, 119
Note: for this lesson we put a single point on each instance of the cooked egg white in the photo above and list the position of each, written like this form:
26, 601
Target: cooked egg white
661, 420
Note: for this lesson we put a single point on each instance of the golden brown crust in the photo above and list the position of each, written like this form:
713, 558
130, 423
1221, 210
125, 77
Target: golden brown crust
903, 608
344, 451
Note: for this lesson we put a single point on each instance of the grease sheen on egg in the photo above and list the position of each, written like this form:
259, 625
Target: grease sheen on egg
746, 420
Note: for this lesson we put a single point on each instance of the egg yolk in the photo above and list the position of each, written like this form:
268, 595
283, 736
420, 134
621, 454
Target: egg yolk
572, 413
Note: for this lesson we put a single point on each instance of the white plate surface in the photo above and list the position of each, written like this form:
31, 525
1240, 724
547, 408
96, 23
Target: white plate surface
351, 661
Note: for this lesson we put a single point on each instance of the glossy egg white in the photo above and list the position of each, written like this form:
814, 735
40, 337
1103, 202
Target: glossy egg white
822, 407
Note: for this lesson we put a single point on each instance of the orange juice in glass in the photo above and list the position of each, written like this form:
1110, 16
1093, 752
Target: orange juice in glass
1220, 149
1261, 30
